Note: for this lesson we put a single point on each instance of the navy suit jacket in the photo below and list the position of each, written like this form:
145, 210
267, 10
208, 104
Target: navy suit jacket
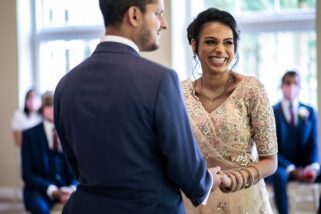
306, 151
35, 161
125, 132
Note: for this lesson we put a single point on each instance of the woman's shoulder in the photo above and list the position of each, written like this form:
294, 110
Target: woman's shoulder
18, 120
250, 87
18, 114
245, 78
186, 82
187, 87
249, 82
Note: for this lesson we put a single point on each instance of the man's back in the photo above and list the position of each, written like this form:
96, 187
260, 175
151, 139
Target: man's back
125, 132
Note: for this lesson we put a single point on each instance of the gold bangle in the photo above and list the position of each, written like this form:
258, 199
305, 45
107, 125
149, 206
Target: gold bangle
243, 177
227, 189
233, 184
250, 177
258, 173
239, 180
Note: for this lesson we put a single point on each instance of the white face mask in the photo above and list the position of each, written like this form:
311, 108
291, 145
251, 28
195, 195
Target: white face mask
33, 103
290, 92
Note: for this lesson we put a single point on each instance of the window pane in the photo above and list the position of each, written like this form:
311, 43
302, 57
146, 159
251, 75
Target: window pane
58, 57
296, 4
234, 6
258, 5
228, 5
60, 13
239, 6
268, 55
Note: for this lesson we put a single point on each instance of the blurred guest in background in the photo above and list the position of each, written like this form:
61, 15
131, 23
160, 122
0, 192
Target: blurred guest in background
47, 178
297, 134
27, 118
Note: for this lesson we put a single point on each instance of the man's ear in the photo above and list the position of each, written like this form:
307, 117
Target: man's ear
134, 16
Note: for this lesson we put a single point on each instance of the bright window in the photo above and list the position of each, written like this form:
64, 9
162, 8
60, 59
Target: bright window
65, 34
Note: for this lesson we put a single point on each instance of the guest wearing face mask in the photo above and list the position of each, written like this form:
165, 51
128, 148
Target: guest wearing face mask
297, 135
27, 118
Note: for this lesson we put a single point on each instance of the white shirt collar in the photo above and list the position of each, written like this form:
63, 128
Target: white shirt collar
49, 126
286, 109
119, 39
286, 104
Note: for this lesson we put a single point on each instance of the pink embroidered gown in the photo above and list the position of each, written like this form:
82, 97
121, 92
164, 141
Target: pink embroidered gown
232, 136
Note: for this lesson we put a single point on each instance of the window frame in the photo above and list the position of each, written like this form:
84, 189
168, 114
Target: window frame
67, 33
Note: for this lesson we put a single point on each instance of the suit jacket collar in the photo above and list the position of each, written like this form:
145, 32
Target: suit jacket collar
114, 47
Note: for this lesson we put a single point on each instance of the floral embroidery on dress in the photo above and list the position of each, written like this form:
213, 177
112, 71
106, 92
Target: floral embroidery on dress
221, 207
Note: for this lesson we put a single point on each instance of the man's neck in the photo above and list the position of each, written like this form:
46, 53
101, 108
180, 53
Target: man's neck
124, 31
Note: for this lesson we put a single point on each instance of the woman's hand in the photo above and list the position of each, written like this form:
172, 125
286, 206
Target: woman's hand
226, 181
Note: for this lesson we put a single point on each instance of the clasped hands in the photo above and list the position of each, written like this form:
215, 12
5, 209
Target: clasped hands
62, 194
220, 179
306, 174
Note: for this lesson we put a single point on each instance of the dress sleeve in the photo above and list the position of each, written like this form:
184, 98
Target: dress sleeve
262, 120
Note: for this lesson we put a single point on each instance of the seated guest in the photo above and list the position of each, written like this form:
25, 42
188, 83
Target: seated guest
47, 178
297, 134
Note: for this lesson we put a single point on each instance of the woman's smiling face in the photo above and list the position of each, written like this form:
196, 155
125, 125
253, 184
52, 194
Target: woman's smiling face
215, 47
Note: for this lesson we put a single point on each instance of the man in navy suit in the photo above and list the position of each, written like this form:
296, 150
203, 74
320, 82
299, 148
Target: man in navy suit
297, 134
123, 124
46, 175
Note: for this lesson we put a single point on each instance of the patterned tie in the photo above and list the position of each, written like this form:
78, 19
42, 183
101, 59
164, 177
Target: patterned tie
55, 140
292, 120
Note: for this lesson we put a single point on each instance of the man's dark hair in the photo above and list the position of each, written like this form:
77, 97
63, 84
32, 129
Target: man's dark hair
113, 10
290, 73
47, 100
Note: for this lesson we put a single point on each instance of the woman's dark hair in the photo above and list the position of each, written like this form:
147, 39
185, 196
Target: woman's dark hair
213, 15
25, 108
113, 10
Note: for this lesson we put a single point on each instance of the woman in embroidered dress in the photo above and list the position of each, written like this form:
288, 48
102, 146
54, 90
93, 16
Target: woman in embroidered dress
231, 117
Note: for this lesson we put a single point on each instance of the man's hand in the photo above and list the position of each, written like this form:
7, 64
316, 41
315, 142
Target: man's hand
298, 174
216, 177
309, 174
61, 195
